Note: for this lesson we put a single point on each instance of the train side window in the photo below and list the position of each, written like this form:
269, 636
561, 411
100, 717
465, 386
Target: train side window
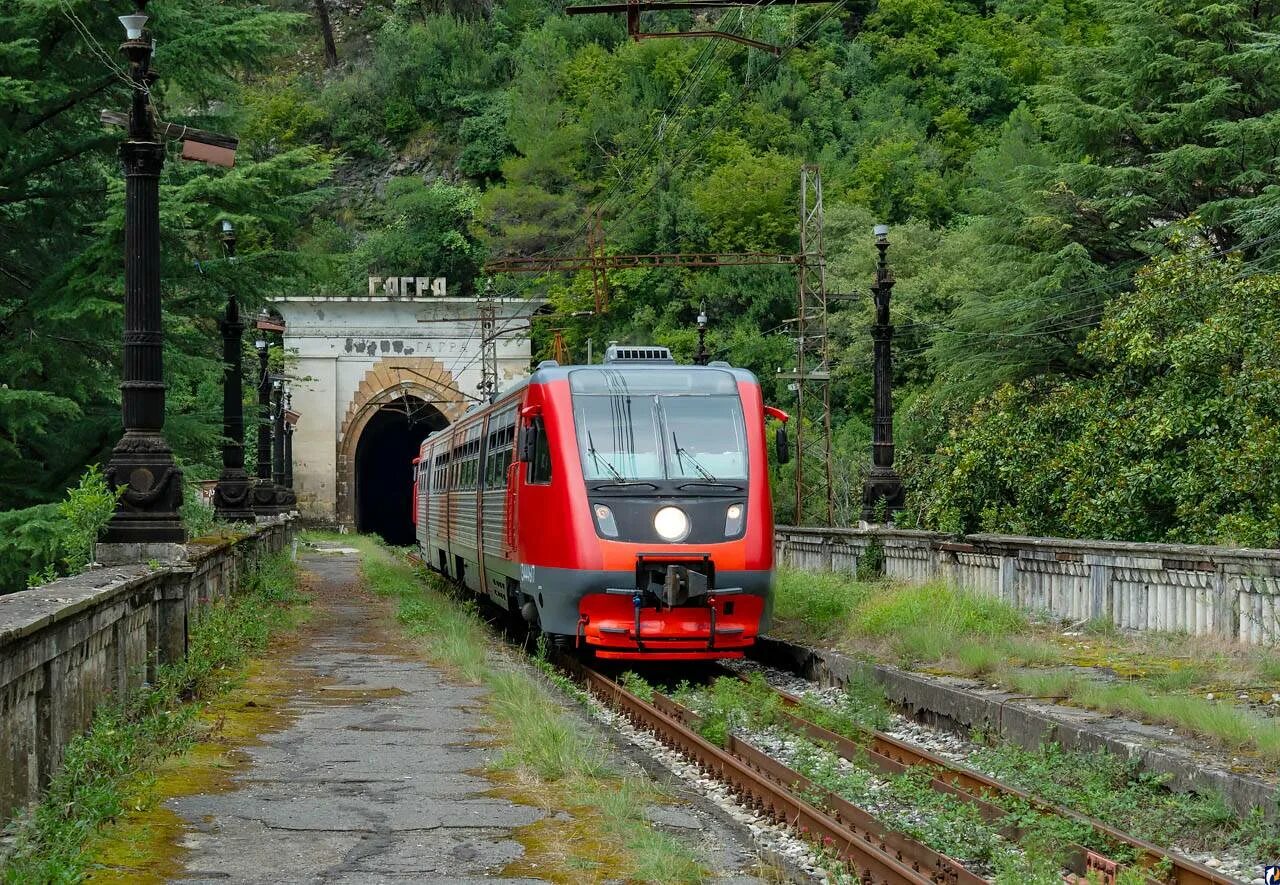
540, 466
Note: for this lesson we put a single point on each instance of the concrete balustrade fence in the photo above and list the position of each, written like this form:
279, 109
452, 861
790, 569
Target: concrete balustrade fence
1219, 591
69, 646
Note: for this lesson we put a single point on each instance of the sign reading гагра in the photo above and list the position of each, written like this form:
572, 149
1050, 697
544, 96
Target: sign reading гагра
407, 287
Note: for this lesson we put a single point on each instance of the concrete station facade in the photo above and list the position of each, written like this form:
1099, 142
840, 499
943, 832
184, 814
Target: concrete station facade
363, 360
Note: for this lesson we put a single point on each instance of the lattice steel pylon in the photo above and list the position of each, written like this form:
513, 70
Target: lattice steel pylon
814, 493
487, 310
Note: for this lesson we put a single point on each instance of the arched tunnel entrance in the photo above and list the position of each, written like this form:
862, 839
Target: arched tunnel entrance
384, 467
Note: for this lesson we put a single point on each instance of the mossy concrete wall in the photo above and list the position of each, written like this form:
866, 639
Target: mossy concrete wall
69, 646
1220, 591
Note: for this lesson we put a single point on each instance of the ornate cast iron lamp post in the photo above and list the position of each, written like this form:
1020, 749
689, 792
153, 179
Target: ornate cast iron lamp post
882, 487
284, 497
142, 462
701, 357
231, 495
290, 419
264, 493
277, 433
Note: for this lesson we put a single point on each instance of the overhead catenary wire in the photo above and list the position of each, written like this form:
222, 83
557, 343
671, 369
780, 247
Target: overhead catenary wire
96, 49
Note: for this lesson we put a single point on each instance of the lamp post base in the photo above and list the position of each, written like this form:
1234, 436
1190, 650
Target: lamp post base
266, 499
147, 512
882, 495
232, 499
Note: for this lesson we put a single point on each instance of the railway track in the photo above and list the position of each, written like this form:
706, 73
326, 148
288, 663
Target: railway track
871, 851
889, 756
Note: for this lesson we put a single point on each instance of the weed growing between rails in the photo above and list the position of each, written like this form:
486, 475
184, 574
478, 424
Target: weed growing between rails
548, 759
1202, 686
109, 765
1113, 790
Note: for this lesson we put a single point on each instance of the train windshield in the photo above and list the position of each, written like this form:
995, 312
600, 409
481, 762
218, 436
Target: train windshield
659, 425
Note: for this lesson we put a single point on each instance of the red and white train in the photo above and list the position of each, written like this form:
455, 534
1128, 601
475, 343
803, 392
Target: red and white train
622, 507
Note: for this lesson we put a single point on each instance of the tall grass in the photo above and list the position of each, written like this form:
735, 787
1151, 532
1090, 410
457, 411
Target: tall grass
972, 634
1230, 726
824, 602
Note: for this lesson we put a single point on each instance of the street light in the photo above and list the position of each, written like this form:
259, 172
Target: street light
231, 495
882, 487
141, 468
701, 357
264, 493
228, 236
290, 418
133, 25
277, 434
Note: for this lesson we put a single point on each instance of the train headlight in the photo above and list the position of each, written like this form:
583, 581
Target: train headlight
733, 519
604, 519
671, 523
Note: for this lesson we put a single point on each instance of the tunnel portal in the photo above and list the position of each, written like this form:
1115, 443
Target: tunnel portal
384, 467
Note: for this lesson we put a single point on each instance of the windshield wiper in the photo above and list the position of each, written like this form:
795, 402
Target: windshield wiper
618, 478
597, 460
623, 483
681, 454
717, 484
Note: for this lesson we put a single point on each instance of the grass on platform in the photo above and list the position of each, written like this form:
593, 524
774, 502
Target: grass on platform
1165, 678
548, 757
104, 766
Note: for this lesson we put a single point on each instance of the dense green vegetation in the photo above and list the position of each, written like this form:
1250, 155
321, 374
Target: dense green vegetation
1083, 196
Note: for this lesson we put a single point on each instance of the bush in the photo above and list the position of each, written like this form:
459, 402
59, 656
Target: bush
86, 511
39, 544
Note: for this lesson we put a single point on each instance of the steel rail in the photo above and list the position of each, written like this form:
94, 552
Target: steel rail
871, 860
895, 756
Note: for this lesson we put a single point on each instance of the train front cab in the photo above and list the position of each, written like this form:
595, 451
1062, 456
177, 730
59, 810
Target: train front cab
643, 512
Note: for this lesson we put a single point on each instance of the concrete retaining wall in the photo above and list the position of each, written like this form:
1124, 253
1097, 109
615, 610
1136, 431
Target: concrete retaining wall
1221, 591
68, 646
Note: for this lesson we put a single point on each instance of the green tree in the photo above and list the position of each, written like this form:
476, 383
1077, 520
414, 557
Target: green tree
427, 228
1176, 439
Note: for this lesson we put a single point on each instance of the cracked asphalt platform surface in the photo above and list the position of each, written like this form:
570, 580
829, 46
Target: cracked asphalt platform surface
378, 777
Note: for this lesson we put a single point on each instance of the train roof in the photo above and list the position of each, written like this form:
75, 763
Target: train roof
549, 370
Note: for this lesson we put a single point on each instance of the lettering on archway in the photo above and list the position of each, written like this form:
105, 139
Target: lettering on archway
388, 383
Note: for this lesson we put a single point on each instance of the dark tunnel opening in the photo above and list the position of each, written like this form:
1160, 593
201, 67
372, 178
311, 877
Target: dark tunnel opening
384, 467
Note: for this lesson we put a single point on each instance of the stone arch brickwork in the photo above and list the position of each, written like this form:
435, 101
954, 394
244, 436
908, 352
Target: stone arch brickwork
387, 381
